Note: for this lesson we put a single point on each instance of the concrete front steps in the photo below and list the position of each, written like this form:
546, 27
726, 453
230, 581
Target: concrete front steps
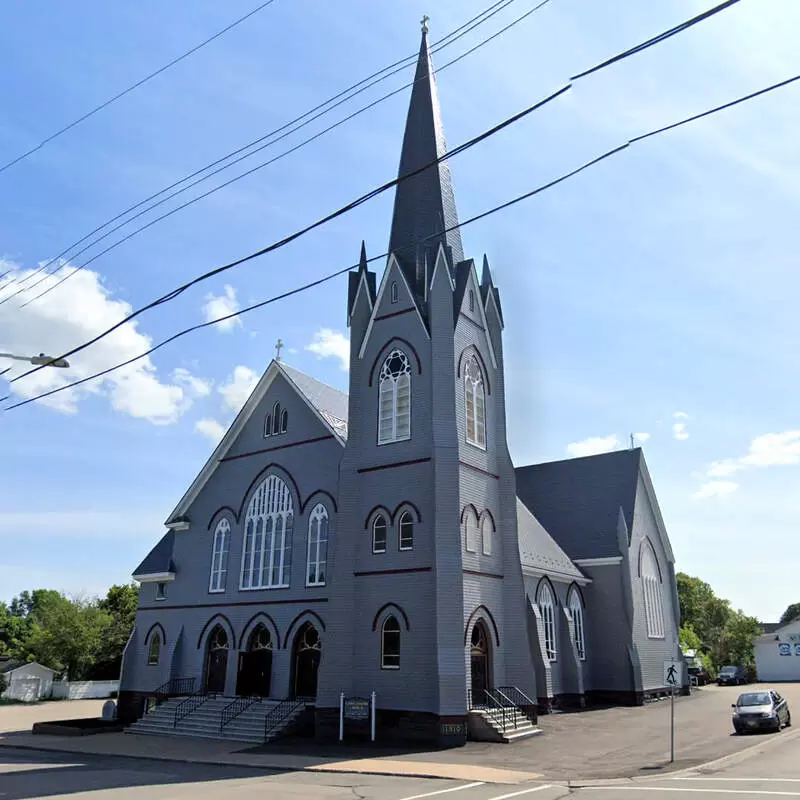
486, 725
204, 721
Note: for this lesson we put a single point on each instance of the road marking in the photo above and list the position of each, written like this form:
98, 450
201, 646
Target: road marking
676, 789
754, 780
523, 791
445, 791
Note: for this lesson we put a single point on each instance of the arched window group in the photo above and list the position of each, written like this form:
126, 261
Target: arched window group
267, 552
219, 556
474, 529
390, 643
394, 402
317, 546
475, 402
575, 606
547, 608
277, 421
651, 586
405, 532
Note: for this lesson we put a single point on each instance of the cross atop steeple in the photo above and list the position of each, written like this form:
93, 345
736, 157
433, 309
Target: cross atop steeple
278, 347
424, 22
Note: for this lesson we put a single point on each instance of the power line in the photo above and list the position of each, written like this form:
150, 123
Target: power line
136, 85
625, 54
176, 292
495, 209
252, 170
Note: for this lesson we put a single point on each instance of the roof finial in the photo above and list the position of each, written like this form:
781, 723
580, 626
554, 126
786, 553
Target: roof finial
278, 347
632, 442
424, 22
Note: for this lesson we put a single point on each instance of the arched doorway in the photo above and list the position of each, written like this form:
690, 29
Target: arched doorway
305, 661
480, 663
216, 660
255, 664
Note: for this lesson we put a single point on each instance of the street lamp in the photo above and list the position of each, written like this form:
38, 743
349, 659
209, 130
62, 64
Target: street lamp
39, 361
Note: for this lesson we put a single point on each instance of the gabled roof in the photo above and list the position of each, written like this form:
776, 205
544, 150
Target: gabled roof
159, 560
327, 403
424, 204
578, 500
539, 551
7, 665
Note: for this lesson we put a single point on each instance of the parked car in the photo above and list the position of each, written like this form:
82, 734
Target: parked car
761, 711
698, 676
731, 676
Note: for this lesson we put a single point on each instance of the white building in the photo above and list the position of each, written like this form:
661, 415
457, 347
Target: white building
778, 653
27, 682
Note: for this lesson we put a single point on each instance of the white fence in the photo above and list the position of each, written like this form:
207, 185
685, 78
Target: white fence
84, 690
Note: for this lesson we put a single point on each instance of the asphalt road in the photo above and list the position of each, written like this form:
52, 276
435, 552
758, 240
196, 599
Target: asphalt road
775, 772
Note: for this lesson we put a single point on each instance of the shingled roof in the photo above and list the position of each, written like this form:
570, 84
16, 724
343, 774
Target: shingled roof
159, 559
538, 550
578, 500
331, 403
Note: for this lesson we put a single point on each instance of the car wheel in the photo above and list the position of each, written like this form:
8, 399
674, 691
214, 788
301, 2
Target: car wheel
788, 720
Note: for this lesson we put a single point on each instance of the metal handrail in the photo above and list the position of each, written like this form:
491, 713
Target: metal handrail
278, 714
495, 706
190, 704
518, 697
172, 687
233, 709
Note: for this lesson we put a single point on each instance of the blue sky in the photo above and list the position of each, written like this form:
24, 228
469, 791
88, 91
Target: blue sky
656, 290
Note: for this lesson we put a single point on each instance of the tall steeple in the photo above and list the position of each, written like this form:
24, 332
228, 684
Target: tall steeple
425, 204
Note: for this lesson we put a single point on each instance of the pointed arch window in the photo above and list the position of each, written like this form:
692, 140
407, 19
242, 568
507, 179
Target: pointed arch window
406, 528
267, 553
471, 532
317, 546
394, 404
548, 612
575, 606
475, 402
487, 535
219, 556
154, 651
394, 291
471, 300
379, 534
653, 598
277, 421
390, 643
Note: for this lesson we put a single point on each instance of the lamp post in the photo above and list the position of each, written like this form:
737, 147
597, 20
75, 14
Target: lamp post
38, 361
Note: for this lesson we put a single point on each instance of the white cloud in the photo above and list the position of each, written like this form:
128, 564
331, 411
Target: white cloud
238, 388
768, 450
331, 344
223, 306
680, 415
720, 469
679, 430
210, 428
715, 489
78, 310
593, 445
641, 437
196, 386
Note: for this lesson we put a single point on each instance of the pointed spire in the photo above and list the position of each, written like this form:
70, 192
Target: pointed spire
425, 203
362, 262
486, 273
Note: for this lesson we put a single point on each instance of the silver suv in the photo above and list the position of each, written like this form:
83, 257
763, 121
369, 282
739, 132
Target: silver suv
765, 710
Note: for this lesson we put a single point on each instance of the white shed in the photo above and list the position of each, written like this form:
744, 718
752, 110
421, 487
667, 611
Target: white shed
778, 653
28, 682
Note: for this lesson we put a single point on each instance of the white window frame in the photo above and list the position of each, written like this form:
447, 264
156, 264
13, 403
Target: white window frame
487, 535
220, 550
575, 606
385, 533
161, 590
471, 529
475, 404
653, 595
405, 518
398, 632
393, 292
546, 602
317, 558
267, 540
394, 426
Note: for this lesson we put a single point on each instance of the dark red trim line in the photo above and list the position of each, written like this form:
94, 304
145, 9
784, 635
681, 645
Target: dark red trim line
163, 607
396, 464
272, 449
394, 314
392, 571
482, 574
478, 469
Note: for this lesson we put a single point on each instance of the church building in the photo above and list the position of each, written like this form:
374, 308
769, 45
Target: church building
383, 541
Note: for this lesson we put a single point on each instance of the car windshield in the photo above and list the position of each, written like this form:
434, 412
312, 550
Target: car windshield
754, 699
727, 671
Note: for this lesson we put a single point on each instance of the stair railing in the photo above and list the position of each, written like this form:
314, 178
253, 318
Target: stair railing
495, 707
171, 688
189, 705
521, 701
235, 708
279, 713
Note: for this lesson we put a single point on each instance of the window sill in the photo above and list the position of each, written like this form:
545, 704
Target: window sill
270, 435
312, 585
378, 552
656, 638
216, 591
263, 588
160, 599
149, 664
411, 547
481, 447
394, 441
387, 667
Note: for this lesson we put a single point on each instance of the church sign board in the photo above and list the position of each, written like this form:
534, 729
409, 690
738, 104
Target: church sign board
356, 708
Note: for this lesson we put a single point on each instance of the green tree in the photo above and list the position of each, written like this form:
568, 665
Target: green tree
14, 632
689, 639
791, 614
120, 604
